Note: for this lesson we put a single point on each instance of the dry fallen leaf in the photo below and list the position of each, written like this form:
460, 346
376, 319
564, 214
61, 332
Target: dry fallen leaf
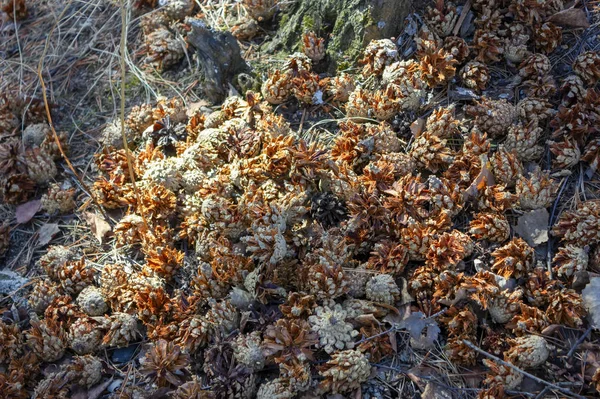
571, 17
416, 323
591, 300
46, 233
26, 211
483, 179
417, 127
99, 226
533, 227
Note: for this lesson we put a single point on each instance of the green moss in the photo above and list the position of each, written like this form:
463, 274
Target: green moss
284, 19
308, 23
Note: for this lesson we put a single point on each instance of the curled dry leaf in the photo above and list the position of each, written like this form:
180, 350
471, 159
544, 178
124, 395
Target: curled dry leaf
46, 233
533, 227
99, 226
27, 211
591, 300
423, 331
571, 17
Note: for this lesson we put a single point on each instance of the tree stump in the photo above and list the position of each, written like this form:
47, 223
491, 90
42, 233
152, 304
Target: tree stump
348, 26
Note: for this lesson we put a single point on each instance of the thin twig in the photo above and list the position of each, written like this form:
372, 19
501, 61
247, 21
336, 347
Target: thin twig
51, 123
579, 341
123, 73
518, 370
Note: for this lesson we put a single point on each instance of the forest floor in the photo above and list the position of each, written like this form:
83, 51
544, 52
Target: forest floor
421, 222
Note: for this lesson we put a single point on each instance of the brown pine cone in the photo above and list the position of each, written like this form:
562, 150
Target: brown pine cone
47, 339
490, 226
513, 260
16, 188
534, 66
572, 90
475, 75
43, 293
493, 116
547, 37
277, 88
580, 227
587, 67
457, 47
4, 238
536, 192
313, 46
58, 200
506, 166
567, 153
40, 165
523, 140
15, 9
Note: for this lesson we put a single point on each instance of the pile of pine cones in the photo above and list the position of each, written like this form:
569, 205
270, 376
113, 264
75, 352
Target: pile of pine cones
262, 265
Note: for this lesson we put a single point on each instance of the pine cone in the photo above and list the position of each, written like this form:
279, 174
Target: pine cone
535, 66
47, 339
192, 390
332, 329
539, 191
587, 66
493, 116
377, 55
12, 342
288, 340
40, 166
163, 49
85, 335
14, 9
534, 110
340, 87
306, 87
16, 188
489, 46
591, 154
75, 275
541, 86
327, 280
248, 350
382, 288
506, 166
437, 67
567, 153
523, 141
4, 238
570, 260
85, 371
277, 88
313, 46
12, 159
572, 90
298, 305
458, 352
442, 122
275, 389
43, 293
529, 319
431, 152
457, 47
490, 226
475, 75
528, 352
503, 376
55, 259
513, 260
505, 306
261, 10
515, 49
359, 103
345, 372
448, 250
164, 363
58, 200
92, 302
565, 307
547, 37
441, 20
122, 330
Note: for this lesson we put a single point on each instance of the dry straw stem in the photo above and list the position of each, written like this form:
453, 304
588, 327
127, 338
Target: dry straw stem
525, 373
51, 123
122, 116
